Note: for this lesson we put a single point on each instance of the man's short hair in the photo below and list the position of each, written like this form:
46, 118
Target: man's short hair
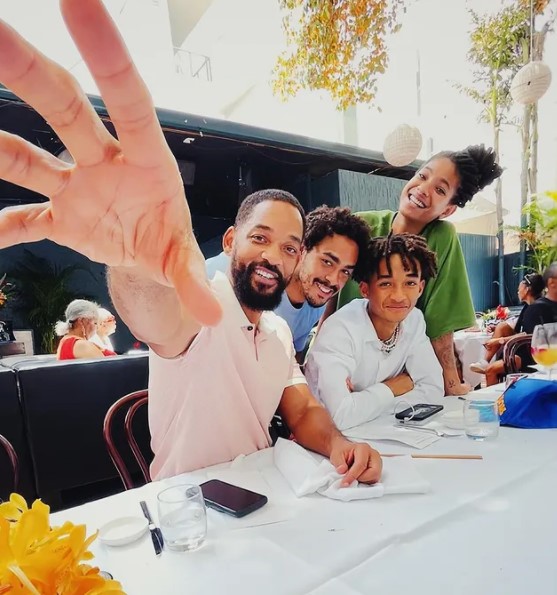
250, 202
412, 249
324, 222
550, 273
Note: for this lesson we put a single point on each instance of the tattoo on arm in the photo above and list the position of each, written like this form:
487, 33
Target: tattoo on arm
444, 350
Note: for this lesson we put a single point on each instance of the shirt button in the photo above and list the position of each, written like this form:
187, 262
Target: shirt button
250, 328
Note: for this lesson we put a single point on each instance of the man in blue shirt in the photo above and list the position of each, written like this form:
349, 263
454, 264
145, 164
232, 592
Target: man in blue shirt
333, 241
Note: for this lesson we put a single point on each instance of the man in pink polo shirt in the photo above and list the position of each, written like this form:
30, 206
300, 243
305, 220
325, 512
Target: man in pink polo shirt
215, 399
220, 366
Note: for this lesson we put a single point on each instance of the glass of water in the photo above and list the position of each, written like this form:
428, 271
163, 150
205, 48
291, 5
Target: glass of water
481, 419
182, 517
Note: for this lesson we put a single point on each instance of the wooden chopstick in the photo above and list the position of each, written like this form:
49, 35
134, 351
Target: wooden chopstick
415, 456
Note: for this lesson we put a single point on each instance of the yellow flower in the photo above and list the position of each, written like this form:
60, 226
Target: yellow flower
42, 560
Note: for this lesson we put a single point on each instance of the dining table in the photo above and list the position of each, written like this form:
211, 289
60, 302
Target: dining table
485, 525
469, 346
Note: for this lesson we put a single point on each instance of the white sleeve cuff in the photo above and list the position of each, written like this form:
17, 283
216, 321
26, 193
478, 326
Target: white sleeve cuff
384, 393
296, 380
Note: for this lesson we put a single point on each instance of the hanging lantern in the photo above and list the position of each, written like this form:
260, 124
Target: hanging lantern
402, 145
531, 82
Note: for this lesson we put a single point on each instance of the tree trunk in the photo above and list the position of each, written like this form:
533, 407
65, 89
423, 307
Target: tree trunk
537, 54
534, 151
500, 236
524, 182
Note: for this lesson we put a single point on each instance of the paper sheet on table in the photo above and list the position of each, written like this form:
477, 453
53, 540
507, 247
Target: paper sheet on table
371, 431
272, 512
308, 474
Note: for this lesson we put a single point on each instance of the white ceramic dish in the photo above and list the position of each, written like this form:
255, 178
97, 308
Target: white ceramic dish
123, 530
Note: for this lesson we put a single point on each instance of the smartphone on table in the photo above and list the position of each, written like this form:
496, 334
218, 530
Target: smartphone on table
419, 415
231, 499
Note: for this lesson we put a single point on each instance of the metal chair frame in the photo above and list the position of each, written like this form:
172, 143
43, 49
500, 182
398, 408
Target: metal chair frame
134, 401
14, 461
510, 351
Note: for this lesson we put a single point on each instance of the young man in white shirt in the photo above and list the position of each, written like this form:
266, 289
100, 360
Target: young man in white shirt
376, 349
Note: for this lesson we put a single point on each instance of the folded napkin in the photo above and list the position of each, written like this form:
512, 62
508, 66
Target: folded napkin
307, 473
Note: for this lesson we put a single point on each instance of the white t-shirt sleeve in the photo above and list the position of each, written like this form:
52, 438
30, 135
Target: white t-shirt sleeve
424, 368
218, 263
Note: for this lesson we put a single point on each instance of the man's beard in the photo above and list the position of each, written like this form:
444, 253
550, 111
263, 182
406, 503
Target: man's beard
317, 304
252, 294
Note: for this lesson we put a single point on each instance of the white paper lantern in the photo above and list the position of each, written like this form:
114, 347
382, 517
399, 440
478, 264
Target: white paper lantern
531, 82
402, 145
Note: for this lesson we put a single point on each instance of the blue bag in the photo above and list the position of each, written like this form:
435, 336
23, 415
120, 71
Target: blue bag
530, 403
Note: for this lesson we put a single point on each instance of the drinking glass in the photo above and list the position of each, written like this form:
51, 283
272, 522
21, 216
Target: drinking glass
182, 517
544, 346
481, 419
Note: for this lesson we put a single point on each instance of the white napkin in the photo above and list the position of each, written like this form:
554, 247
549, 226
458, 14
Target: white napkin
308, 473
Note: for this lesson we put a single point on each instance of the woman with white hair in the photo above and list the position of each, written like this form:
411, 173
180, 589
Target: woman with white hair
77, 328
105, 328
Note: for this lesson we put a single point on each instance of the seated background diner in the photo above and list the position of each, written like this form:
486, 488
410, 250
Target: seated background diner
76, 330
541, 311
529, 290
106, 326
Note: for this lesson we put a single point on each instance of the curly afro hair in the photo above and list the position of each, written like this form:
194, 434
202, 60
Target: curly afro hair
326, 221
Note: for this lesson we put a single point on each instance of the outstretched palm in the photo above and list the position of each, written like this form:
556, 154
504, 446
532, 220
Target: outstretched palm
123, 202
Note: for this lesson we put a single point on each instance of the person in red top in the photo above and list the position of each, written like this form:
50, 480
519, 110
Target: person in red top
80, 324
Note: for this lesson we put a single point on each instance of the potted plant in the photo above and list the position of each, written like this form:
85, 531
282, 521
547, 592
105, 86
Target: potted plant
6, 293
540, 233
42, 295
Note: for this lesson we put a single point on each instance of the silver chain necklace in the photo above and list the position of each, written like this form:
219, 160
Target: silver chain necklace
389, 344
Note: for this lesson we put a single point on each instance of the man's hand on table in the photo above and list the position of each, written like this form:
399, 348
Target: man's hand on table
357, 461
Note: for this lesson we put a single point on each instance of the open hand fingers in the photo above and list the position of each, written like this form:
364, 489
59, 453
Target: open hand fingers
28, 223
125, 95
187, 275
55, 94
29, 166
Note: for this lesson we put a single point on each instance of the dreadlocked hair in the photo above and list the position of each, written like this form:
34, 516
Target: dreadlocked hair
412, 249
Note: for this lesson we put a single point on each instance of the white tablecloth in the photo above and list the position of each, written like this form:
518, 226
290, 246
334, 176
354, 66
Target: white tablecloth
486, 526
470, 348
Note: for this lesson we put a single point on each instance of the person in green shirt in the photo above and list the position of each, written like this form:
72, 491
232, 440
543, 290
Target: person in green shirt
447, 181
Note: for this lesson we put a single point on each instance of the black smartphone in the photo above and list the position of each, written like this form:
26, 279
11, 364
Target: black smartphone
421, 412
231, 499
